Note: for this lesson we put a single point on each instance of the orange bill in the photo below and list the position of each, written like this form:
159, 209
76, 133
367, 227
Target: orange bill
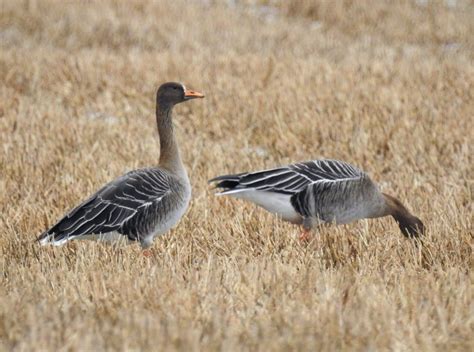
192, 94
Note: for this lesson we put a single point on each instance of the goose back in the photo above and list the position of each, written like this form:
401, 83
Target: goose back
322, 190
139, 204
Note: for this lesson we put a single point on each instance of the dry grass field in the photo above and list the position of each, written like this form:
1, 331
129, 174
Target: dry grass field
385, 85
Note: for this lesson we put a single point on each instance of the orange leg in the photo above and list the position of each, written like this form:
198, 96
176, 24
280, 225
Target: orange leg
305, 235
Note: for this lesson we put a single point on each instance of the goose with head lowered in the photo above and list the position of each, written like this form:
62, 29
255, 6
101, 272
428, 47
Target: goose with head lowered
316, 192
142, 203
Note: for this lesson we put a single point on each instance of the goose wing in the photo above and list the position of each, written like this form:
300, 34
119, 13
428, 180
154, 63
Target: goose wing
290, 179
113, 206
341, 200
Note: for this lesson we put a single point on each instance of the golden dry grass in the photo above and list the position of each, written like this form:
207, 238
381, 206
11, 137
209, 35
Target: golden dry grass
388, 86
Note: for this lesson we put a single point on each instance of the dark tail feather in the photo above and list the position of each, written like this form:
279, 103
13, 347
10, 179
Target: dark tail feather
45, 238
52, 236
227, 184
226, 181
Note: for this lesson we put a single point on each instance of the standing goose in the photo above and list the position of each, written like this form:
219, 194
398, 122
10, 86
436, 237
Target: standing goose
315, 192
142, 203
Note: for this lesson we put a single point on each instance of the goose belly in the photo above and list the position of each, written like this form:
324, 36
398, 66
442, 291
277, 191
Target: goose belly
346, 211
343, 215
169, 220
168, 213
112, 237
163, 224
275, 203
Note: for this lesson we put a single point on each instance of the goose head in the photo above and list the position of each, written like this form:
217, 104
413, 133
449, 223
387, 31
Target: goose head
411, 227
172, 93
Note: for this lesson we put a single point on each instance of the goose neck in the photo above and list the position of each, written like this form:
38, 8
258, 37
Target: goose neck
170, 157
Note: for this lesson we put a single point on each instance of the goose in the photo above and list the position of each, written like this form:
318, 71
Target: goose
313, 193
140, 204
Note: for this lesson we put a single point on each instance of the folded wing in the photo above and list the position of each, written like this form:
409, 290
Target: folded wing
290, 179
112, 207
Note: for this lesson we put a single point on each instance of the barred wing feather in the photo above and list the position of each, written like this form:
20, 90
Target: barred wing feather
290, 179
112, 206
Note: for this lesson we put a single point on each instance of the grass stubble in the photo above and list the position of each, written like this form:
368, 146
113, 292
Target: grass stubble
387, 86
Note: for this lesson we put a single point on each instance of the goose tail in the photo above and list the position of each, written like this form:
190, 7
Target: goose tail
226, 183
49, 237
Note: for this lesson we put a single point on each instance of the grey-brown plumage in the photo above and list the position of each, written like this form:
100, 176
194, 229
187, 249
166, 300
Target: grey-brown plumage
142, 203
320, 191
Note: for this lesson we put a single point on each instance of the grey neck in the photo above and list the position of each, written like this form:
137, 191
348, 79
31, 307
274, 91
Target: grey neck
170, 157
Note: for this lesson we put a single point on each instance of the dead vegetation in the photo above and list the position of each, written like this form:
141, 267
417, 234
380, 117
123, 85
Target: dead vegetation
387, 86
